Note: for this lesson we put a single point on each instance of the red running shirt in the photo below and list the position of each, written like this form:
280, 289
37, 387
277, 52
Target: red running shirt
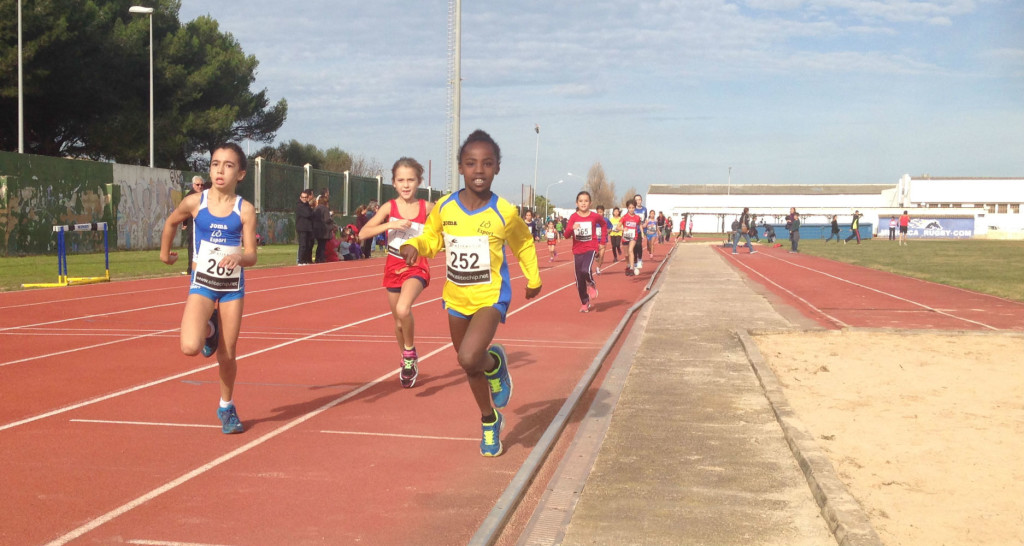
396, 271
584, 232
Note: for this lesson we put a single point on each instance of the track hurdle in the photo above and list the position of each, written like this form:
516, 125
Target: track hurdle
63, 277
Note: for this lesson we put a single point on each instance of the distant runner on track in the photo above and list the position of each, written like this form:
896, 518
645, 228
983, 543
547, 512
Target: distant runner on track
225, 239
474, 225
403, 219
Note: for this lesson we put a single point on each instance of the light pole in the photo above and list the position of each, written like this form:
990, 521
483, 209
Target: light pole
547, 201
728, 188
536, 161
21, 92
148, 11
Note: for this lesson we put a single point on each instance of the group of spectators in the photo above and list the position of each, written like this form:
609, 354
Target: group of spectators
320, 239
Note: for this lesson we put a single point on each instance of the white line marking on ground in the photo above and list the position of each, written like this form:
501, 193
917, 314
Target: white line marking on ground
145, 423
130, 390
145, 542
163, 332
894, 296
124, 508
836, 321
391, 435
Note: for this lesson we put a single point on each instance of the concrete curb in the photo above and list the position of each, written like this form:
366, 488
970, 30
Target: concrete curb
844, 515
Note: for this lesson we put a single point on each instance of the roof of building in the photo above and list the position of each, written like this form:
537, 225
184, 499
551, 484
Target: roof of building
769, 189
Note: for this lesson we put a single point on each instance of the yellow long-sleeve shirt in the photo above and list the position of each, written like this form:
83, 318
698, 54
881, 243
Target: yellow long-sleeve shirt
474, 241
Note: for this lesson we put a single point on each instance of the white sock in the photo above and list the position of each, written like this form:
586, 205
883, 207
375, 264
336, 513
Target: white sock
227, 404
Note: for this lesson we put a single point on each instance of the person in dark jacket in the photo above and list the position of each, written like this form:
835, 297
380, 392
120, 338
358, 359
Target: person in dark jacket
304, 227
322, 225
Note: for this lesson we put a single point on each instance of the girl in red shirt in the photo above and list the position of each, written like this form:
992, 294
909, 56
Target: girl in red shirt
403, 219
630, 226
582, 227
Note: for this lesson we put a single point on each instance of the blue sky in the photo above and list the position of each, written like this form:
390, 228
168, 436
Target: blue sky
658, 92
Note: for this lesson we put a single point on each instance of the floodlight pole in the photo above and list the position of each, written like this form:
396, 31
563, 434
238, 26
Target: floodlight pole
547, 200
21, 91
148, 11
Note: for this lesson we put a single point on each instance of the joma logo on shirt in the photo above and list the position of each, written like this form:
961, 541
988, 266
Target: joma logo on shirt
449, 223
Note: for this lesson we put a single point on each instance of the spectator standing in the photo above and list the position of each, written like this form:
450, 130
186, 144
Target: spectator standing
661, 227
322, 225
904, 227
304, 227
743, 230
794, 232
198, 185
892, 228
855, 226
361, 220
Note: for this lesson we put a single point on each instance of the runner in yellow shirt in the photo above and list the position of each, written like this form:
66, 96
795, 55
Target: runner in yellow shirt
473, 225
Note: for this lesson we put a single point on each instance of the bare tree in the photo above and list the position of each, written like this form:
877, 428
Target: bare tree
628, 195
366, 166
602, 192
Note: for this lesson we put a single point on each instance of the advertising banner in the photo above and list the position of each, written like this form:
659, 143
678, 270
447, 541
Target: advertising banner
940, 228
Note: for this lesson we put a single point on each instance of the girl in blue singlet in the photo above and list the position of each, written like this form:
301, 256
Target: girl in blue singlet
225, 243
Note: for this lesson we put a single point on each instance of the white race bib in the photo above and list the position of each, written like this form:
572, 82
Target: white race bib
469, 259
398, 237
583, 231
211, 275
628, 233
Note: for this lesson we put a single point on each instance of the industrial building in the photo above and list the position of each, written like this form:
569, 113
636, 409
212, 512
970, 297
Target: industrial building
938, 207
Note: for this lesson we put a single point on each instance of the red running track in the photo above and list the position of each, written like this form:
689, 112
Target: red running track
108, 433
839, 295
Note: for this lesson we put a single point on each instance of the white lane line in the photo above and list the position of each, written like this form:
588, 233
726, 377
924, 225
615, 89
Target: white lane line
144, 542
190, 372
391, 435
164, 332
144, 423
884, 293
753, 271
130, 390
177, 288
182, 302
124, 508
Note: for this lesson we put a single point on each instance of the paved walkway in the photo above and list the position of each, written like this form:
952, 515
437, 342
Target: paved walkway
689, 441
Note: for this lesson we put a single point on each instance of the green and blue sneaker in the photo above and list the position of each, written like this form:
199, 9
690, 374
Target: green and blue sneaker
490, 445
210, 346
229, 422
499, 380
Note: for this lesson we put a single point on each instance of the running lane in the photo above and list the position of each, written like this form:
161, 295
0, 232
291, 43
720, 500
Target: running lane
838, 295
335, 450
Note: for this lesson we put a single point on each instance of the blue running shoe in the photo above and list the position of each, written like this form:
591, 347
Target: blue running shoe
210, 346
490, 445
229, 422
499, 380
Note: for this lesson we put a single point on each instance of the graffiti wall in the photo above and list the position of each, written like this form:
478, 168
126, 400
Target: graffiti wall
147, 197
40, 192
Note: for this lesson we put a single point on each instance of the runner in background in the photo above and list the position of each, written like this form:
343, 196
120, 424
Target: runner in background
651, 231
582, 227
602, 230
615, 233
638, 249
551, 234
225, 239
402, 219
630, 229
474, 225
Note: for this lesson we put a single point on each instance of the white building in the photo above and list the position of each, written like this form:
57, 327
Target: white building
939, 207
